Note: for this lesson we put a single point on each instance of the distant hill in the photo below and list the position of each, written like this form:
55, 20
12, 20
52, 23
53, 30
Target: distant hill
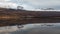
14, 16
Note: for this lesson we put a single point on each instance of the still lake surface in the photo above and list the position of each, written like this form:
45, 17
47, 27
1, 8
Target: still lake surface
41, 28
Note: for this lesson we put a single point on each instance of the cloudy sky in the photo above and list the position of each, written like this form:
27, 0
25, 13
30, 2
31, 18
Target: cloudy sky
31, 4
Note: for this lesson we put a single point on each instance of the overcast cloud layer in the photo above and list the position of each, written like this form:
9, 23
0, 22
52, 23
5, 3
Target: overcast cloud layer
32, 4
7, 4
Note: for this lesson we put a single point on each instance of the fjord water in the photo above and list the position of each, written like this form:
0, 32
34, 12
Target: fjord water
41, 28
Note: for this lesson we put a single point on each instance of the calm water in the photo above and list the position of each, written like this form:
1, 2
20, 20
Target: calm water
42, 28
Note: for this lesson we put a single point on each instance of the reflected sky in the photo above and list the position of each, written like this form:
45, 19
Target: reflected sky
42, 28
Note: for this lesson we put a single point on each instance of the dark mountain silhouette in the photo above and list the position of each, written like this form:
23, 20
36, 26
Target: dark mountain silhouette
17, 16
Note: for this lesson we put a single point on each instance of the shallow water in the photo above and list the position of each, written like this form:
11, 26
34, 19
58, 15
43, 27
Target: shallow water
42, 28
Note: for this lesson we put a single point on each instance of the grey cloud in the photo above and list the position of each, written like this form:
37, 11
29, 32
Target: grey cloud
41, 3
34, 4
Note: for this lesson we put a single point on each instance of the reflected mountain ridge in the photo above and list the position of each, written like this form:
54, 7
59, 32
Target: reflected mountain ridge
42, 28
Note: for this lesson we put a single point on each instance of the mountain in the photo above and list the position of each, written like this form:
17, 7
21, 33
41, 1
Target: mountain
18, 17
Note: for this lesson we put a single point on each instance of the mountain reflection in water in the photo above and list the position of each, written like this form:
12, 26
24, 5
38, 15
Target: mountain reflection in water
42, 28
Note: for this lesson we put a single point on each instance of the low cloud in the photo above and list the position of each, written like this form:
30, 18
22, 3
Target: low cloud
31, 4
4, 0
41, 4
7, 4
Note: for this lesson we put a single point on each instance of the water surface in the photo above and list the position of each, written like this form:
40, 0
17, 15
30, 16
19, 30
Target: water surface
41, 28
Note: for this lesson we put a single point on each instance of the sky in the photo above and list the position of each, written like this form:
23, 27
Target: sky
31, 4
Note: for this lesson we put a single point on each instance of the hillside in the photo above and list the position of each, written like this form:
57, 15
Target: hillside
16, 17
